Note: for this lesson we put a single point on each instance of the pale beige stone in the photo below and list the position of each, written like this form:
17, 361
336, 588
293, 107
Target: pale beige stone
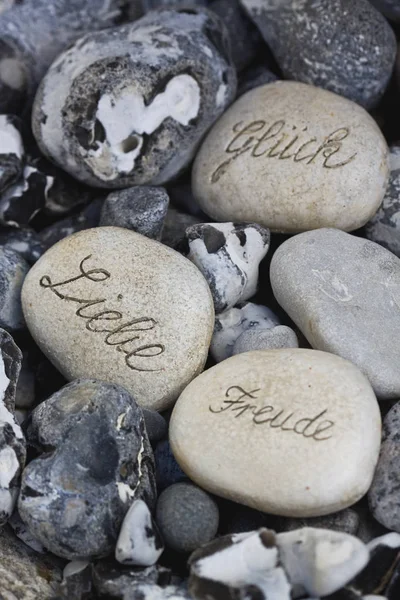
293, 157
292, 432
141, 317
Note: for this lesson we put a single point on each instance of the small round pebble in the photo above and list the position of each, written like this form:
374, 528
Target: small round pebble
187, 517
140, 208
168, 471
156, 425
266, 339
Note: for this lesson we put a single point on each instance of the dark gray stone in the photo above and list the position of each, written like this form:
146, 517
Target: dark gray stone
25, 392
142, 209
11, 151
254, 77
24, 241
167, 469
265, 339
390, 8
113, 580
346, 47
156, 425
95, 447
384, 227
228, 255
77, 581
384, 492
130, 105
25, 574
346, 520
34, 32
175, 225
13, 270
187, 517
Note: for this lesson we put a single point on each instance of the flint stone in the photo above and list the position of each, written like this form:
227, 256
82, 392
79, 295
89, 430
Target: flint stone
292, 157
258, 417
343, 293
111, 304
94, 445
13, 270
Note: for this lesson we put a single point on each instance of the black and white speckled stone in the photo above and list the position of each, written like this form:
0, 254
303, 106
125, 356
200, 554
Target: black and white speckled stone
34, 32
11, 151
12, 441
13, 269
141, 208
280, 336
253, 77
390, 8
228, 255
24, 241
96, 446
384, 492
77, 581
139, 541
119, 108
175, 225
239, 566
384, 227
232, 323
156, 425
115, 581
346, 47
187, 517
168, 471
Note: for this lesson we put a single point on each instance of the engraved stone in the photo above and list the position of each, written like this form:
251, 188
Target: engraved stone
292, 157
292, 432
111, 304
343, 292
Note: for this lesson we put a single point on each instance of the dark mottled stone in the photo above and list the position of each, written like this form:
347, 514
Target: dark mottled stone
156, 425
90, 130
94, 445
24, 241
187, 517
390, 8
346, 520
11, 151
141, 208
13, 270
77, 581
25, 392
115, 581
21, 202
347, 47
175, 225
167, 469
253, 77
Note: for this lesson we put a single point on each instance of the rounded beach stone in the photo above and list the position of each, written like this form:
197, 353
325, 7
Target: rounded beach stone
187, 517
129, 106
93, 445
291, 432
292, 157
266, 339
351, 50
156, 425
111, 304
13, 270
342, 292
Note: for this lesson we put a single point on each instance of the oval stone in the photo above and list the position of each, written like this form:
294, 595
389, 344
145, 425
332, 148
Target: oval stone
292, 432
111, 304
293, 157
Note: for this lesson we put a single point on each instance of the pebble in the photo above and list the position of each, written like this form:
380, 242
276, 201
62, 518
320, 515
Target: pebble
25, 392
11, 151
351, 50
34, 32
96, 446
384, 492
139, 541
12, 441
168, 471
384, 227
22, 532
268, 404
233, 564
142, 209
228, 255
346, 521
320, 561
341, 291
24, 241
77, 581
175, 225
79, 307
13, 270
390, 8
156, 425
231, 324
187, 517
299, 183
114, 108
253, 77
266, 339
112, 580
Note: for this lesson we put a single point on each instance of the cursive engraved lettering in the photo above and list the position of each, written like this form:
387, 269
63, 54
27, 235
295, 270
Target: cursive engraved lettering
283, 142
238, 401
125, 336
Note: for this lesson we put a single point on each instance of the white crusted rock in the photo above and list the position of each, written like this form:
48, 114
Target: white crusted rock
139, 541
228, 255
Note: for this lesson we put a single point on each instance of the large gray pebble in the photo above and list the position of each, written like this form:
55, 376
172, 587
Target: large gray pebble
343, 293
266, 339
13, 270
130, 105
345, 47
187, 517
384, 498
96, 448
